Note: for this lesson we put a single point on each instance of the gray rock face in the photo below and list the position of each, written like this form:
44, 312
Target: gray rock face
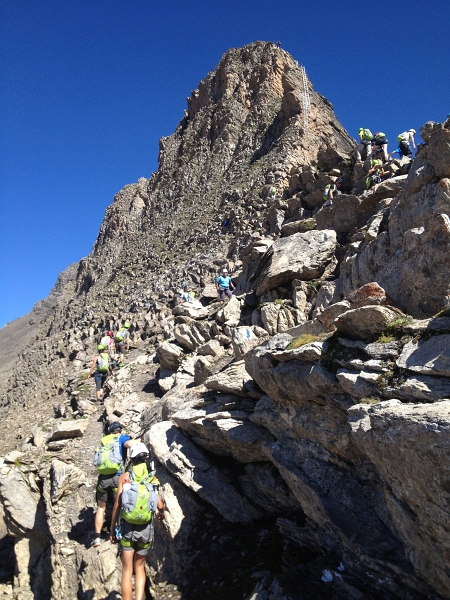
225, 430
408, 446
178, 454
428, 357
300, 256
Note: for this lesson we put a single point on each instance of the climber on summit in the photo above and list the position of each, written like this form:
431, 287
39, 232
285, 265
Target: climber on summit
331, 191
380, 144
224, 285
109, 459
122, 339
404, 140
101, 366
365, 143
132, 522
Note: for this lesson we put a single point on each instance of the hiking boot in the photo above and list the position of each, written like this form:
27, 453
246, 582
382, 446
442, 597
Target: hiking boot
121, 364
96, 541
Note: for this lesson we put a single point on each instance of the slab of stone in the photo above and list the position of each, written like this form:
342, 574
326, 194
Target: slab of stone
233, 380
12, 456
359, 384
194, 310
421, 388
68, 430
302, 256
427, 356
311, 352
245, 339
212, 348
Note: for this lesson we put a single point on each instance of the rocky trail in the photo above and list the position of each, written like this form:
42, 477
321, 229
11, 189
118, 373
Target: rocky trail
301, 430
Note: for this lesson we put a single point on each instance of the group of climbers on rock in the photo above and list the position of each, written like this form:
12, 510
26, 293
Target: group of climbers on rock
111, 351
373, 148
134, 490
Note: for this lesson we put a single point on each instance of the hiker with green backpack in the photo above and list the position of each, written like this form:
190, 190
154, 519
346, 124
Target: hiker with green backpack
122, 339
132, 523
109, 460
100, 367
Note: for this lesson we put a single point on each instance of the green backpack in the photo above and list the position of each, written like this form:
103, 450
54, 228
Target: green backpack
139, 496
103, 363
120, 335
108, 457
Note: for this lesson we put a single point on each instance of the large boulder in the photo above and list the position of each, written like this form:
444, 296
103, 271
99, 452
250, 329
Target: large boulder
301, 256
194, 310
68, 429
366, 322
19, 504
170, 355
245, 339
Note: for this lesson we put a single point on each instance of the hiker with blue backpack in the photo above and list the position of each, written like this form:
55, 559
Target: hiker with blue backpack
109, 460
132, 523
101, 367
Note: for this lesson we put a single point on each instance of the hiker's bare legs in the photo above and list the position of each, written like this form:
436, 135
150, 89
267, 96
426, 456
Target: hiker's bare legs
99, 517
127, 574
139, 576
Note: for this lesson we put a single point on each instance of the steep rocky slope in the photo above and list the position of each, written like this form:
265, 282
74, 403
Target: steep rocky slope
301, 430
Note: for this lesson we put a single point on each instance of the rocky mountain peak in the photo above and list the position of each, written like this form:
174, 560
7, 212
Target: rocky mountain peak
301, 427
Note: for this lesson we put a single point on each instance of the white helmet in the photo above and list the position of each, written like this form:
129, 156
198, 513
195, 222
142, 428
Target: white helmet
413, 131
137, 449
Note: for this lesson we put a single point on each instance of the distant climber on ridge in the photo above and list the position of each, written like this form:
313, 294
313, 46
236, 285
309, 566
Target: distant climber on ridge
101, 367
331, 191
109, 460
187, 295
122, 339
137, 501
224, 285
364, 148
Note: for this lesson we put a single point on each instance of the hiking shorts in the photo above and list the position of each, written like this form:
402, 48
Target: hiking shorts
224, 292
120, 347
136, 537
106, 487
380, 142
100, 379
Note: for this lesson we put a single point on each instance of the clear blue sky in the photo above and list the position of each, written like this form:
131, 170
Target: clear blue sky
89, 86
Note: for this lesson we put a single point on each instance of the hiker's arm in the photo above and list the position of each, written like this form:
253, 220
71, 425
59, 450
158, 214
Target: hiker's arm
116, 510
412, 140
232, 287
129, 443
94, 362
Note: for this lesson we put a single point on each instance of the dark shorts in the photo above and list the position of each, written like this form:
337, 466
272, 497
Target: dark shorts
107, 487
405, 149
136, 537
100, 379
380, 142
120, 346
224, 292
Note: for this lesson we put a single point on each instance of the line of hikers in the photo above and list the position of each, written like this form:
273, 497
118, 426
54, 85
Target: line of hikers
134, 490
111, 355
374, 150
